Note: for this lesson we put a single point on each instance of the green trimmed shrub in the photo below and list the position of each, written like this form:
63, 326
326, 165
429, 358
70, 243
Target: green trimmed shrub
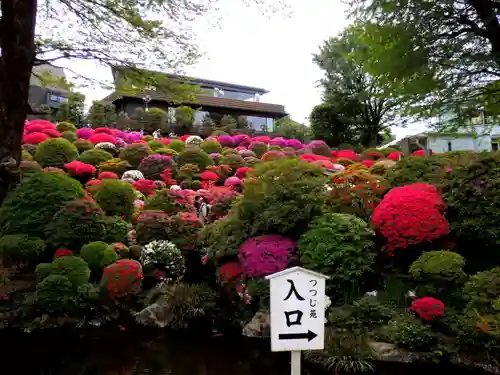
442, 264
98, 255
31, 205
482, 290
83, 145
74, 268
211, 146
414, 169
164, 200
177, 145
233, 160
95, 156
116, 198
224, 237
29, 148
156, 145
25, 155
167, 151
56, 295
70, 136
115, 165
77, 223
283, 198
409, 333
134, 153
340, 246
345, 162
259, 148
28, 168
472, 193
116, 229
193, 155
55, 152
229, 151
65, 126
21, 247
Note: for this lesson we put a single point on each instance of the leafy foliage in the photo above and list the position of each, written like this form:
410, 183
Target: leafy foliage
95, 156
21, 247
134, 153
72, 267
445, 264
55, 152
31, 206
116, 198
407, 332
98, 255
77, 223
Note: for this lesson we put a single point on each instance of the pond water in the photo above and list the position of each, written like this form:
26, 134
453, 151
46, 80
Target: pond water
127, 353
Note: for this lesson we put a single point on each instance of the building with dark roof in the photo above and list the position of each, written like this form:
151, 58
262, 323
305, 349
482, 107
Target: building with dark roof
215, 98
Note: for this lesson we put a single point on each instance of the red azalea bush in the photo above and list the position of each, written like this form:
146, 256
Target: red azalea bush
52, 133
242, 172
146, 187
103, 131
35, 138
102, 137
63, 252
347, 154
122, 278
428, 308
263, 255
395, 156
409, 215
185, 230
209, 176
368, 163
107, 176
230, 273
77, 168
166, 177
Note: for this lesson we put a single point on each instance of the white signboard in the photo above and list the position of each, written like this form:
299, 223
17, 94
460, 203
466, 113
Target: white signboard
297, 310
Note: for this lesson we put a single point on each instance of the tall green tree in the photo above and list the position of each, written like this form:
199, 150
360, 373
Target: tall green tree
73, 110
101, 114
288, 128
131, 33
354, 92
442, 55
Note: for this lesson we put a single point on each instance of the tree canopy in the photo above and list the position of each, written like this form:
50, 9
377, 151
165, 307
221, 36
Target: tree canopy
441, 55
355, 100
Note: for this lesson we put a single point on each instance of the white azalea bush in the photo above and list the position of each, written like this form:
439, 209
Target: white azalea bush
133, 174
161, 255
194, 140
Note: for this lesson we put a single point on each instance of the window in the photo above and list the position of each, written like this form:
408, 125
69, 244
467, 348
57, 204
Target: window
449, 145
263, 124
199, 116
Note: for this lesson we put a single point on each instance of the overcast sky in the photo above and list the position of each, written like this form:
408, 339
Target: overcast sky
272, 52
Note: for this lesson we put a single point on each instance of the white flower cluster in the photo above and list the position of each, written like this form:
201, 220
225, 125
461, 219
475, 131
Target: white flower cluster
134, 175
106, 145
164, 256
194, 140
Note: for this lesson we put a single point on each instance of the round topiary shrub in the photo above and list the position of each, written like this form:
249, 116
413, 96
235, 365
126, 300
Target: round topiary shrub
167, 151
21, 248
95, 156
156, 145
415, 169
177, 145
70, 136
320, 148
116, 198
32, 204
115, 165
235, 161
152, 166
98, 255
263, 255
184, 230
74, 268
55, 152
65, 126
411, 215
283, 197
193, 155
258, 148
56, 295
76, 224
340, 246
83, 145
122, 278
116, 229
163, 256
409, 333
134, 153
211, 146
482, 290
441, 264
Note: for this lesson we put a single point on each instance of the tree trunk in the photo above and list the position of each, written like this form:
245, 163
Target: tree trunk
17, 34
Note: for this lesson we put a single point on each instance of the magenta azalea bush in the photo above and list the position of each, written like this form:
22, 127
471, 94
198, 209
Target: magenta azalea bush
263, 255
